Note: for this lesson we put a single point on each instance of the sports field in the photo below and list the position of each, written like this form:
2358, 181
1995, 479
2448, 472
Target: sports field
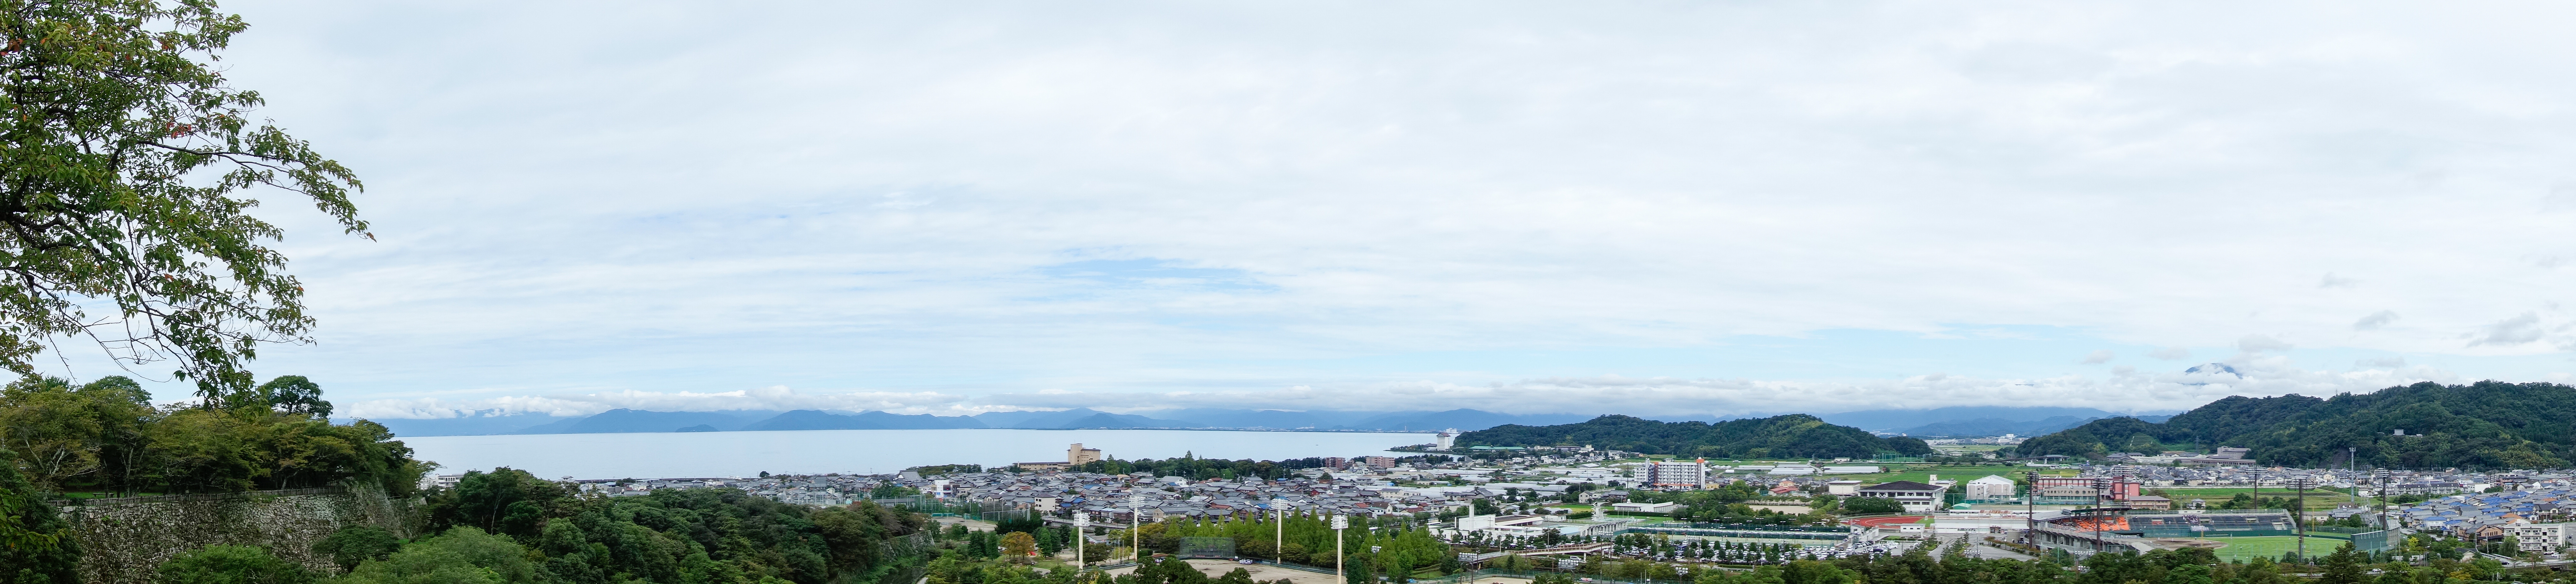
2270, 546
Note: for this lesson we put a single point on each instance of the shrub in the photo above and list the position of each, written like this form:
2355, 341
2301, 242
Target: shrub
233, 564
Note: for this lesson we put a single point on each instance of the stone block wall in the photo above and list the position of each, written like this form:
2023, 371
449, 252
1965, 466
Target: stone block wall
123, 541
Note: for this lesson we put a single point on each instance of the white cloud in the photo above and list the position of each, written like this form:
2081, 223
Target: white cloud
2388, 362
2256, 344
2520, 329
2331, 281
2125, 391
674, 196
2375, 320
2098, 357
765, 398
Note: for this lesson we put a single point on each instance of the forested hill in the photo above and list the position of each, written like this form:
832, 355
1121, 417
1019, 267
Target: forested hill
2483, 425
1789, 436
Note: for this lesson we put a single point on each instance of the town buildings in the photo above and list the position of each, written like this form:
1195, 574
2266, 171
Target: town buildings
1916, 497
1992, 488
1670, 474
1074, 456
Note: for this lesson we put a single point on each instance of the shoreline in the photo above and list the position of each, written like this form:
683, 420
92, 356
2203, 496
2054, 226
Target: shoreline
1289, 430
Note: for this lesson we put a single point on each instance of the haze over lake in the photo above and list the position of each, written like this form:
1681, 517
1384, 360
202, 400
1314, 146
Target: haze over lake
726, 454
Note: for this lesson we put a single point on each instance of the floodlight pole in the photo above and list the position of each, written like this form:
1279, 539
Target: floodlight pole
2298, 516
2029, 517
1135, 527
1340, 522
1081, 523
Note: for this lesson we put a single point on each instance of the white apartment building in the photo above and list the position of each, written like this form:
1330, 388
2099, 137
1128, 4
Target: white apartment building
2541, 537
1991, 488
1678, 474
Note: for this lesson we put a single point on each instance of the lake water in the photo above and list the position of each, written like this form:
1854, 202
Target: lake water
730, 454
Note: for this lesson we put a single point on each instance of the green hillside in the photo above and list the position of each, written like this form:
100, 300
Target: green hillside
1789, 436
2484, 425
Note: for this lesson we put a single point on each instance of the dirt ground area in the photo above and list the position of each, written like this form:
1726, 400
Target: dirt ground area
974, 524
2175, 543
1266, 573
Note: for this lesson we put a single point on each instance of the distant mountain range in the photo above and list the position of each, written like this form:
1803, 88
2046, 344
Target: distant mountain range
1938, 422
626, 420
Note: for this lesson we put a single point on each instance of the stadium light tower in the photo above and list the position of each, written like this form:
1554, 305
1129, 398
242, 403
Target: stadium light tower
2298, 513
1081, 523
2030, 494
1135, 533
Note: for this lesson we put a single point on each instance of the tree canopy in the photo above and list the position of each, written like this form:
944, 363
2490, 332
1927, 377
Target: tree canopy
105, 436
682, 535
1789, 436
36, 546
127, 165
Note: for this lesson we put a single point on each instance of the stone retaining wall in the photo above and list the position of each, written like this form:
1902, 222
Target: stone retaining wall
123, 541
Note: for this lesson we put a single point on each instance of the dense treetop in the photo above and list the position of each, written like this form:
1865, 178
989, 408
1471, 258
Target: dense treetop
106, 437
686, 535
1789, 436
127, 168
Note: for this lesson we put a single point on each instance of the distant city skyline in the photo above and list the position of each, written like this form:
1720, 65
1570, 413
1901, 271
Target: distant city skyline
1655, 209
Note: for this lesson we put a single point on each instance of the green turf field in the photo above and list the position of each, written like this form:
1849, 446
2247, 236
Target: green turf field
2270, 546
2317, 499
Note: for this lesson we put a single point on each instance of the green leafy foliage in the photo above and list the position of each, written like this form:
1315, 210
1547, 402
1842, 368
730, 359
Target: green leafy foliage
2483, 425
294, 394
106, 436
1393, 545
464, 555
125, 161
36, 546
1789, 436
357, 543
684, 535
1866, 505
232, 564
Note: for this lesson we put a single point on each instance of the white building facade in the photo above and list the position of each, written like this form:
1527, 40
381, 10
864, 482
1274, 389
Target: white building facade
1693, 475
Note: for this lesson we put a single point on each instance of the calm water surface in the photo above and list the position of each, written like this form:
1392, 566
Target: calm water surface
727, 454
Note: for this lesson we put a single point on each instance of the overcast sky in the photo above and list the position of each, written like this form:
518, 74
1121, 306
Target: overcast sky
1640, 207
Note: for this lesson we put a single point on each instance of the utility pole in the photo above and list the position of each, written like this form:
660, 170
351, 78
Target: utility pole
2298, 516
1279, 522
2101, 486
1081, 523
2030, 519
1135, 525
1340, 522
2258, 487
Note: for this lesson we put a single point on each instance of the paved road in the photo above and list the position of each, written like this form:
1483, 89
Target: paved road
1977, 548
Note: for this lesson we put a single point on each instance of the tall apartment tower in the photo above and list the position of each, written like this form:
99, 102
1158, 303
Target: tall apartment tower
1678, 474
1076, 455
